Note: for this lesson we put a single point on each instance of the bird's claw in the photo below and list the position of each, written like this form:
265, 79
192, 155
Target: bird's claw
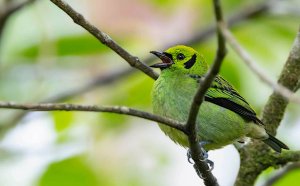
210, 165
203, 151
189, 157
205, 158
205, 155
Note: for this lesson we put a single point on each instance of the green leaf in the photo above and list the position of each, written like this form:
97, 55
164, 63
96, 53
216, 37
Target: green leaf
134, 91
62, 120
113, 122
67, 46
73, 171
290, 178
79, 45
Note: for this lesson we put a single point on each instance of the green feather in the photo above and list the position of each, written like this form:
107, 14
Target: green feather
223, 94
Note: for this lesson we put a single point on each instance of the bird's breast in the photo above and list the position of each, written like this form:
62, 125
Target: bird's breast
172, 98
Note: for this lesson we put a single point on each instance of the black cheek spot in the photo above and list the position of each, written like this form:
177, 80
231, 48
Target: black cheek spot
190, 62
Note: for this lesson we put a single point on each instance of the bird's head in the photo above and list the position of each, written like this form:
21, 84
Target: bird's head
181, 58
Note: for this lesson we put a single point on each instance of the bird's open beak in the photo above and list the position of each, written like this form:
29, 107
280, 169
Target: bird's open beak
166, 60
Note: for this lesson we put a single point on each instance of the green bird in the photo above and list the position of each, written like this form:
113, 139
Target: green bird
224, 117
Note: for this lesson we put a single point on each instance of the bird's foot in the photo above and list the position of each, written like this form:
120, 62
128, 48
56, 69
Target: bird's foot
203, 151
205, 158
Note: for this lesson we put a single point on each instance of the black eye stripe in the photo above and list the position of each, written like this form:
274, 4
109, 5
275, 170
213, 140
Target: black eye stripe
190, 62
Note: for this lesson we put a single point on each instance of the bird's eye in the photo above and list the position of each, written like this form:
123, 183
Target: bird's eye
180, 56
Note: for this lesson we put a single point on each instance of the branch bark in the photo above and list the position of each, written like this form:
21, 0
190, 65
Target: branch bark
256, 157
191, 126
105, 39
94, 108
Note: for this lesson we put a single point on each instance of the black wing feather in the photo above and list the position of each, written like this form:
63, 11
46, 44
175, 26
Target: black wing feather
223, 94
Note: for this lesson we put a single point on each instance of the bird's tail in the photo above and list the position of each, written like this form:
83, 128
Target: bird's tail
275, 144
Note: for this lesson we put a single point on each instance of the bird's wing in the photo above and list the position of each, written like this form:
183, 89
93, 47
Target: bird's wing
223, 94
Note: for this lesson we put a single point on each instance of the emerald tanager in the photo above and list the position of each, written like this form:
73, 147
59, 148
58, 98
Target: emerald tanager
224, 117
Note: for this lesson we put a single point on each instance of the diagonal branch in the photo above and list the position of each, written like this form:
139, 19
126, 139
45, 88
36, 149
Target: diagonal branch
278, 88
191, 126
105, 39
94, 108
214, 70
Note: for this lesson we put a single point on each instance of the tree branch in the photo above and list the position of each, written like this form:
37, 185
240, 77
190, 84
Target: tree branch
94, 108
255, 157
277, 87
284, 157
105, 39
191, 126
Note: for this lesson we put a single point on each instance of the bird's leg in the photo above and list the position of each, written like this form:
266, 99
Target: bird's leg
205, 157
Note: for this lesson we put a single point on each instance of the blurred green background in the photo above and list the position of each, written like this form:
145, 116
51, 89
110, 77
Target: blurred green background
44, 55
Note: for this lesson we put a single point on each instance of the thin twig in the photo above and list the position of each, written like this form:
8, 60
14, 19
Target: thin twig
105, 39
69, 94
278, 88
94, 108
191, 125
214, 70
